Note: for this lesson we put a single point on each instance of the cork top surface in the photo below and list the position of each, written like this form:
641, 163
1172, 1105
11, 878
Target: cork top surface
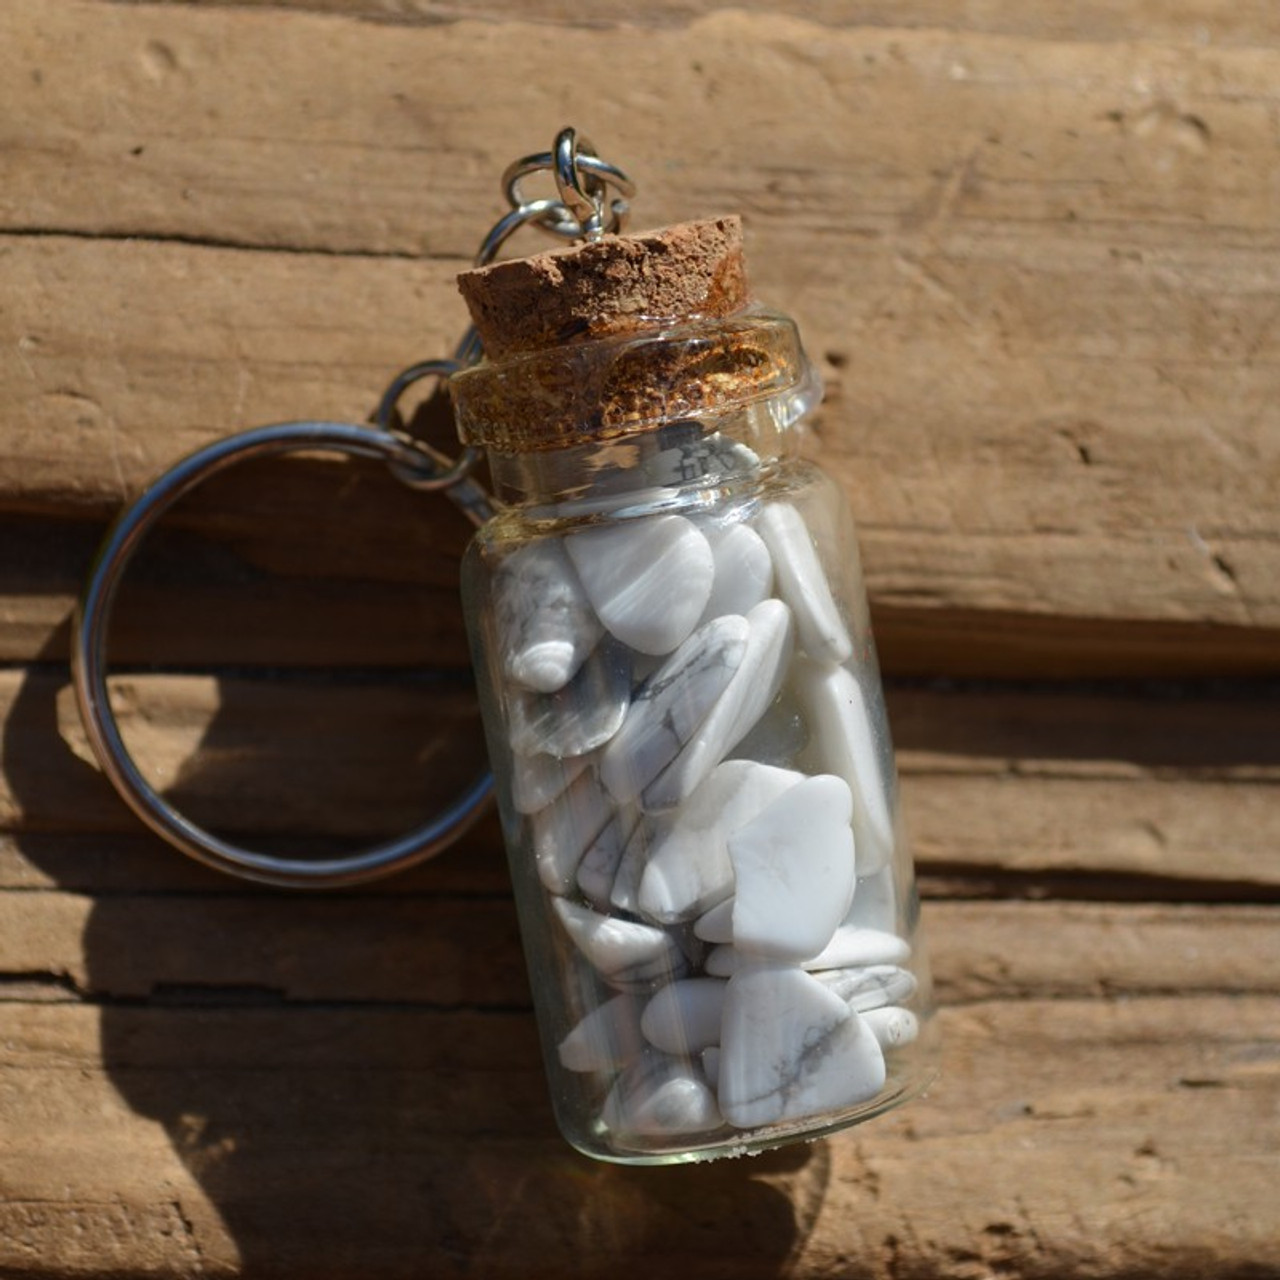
613, 286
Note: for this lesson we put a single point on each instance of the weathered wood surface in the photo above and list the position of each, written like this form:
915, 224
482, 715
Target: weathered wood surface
1042, 288
1033, 248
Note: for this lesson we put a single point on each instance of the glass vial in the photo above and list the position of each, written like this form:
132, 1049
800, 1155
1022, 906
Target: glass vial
683, 710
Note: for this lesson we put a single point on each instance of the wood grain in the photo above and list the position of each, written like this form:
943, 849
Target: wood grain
1041, 292
1033, 252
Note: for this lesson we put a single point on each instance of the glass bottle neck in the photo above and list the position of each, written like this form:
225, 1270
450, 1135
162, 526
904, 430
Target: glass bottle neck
668, 465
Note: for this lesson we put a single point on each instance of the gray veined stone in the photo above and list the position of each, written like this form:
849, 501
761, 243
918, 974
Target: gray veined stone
794, 872
803, 584
566, 828
648, 578
598, 871
671, 705
687, 867
754, 686
659, 1096
870, 987
623, 951
545, 623
583, 715
791, 1049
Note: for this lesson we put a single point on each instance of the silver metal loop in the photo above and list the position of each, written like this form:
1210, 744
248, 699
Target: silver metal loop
582, 179
431, 471
88, 664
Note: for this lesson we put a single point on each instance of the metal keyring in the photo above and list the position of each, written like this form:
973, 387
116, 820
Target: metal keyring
88, 656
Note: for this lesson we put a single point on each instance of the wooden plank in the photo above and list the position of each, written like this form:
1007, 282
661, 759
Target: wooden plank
1042, 298
1251, 23
1034, 783
445, 951
271, 1142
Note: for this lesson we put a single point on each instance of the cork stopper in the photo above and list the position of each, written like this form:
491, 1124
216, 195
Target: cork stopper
608, 287
616, 337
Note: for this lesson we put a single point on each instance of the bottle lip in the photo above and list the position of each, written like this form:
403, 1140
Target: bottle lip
614, 387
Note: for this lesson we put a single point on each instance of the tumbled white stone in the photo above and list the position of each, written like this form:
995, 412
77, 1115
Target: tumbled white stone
716, 925
684, 1017
793, 867
871, 987
892, 1027
755, 684
687, 867
562, 832
648, 578
744, 570
607, 1038
850, 948
537, 780
622, 950
583, 715
844, 744
545, 624
598, 870
659, 1096
791, 1049
671, 705
803, 584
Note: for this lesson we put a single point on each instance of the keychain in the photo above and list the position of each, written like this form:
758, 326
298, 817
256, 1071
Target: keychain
677, 680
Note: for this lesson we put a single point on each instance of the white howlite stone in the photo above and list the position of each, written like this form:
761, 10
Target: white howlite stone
844, 744
583, 715
849, 948
545, 624
563, 831
658, 1096
875, 902
716, 925
871, 987
625, 893
803, 584
852, 947
684, 1017
607, 1038
744, 570
755, 684
892, 1027
794, 871
598, 870
537, 780
672, 704
648, 578
791, 1049
688, 867
622, 950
